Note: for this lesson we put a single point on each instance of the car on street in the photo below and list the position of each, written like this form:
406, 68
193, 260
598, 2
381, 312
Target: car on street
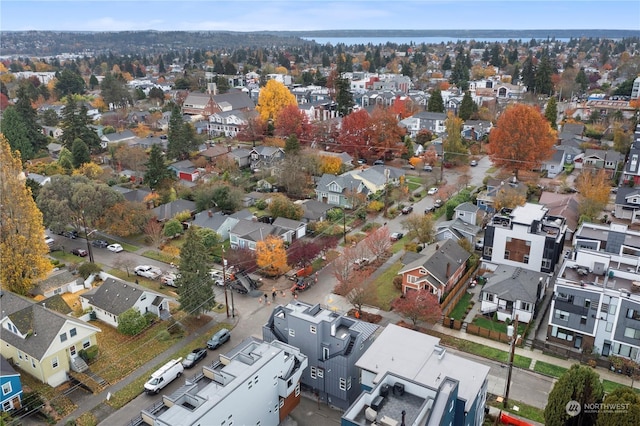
195, 356
427, 168
169, 278
437, 204
116, 248
222, 336
361, 262
147, 271
432, 191
70, 234
100, 243
378, 163
473, 163
48, 240
479, 244
80, 252
407, 209
362, 161
396, 236
216, 276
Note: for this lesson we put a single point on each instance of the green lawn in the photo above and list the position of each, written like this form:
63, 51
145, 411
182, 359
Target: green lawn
414, 180
483, 322
486, 351
413, 186
385, 291
610, 386
524, 410
549, 369
458, 311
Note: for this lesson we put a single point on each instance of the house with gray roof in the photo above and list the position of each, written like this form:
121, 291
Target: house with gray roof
555, 165
167, 211
294, 229
220, 223
58, 282
133, 195
241, 156
467, 212
116, 138
42, 342
512, 291
457, 230
601, 160
113, 297
376, 177
314, 211
247, 232
338, 190
333, 344
431, 121
438, 269
266, 156
628, 204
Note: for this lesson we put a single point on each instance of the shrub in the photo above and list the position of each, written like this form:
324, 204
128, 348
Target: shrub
375, 206
411, 247
397, 282
261, 205
131, 322
89, 354
88, 268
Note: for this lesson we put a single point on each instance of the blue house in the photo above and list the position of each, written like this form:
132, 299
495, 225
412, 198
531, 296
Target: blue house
11, 386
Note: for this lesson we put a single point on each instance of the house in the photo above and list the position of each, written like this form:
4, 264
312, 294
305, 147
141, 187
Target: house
293, 229
43, 343
167, 211
408, 378
219, 223
185, 170
264, 376
11, 398
338, 190
495, 187
511, 292
555, 165
458, 230
331, 342
375, 178
41, 179
431, 121
476, 129
58, 282
597, 159
241, 156
214, 152
631, 171
113, 297
628, 204
200, 104
345, 158
314, 211
467, 212
266, 156
248, 231
134, 195
526, 236
228, 123
116, 138
438, 269
564, 205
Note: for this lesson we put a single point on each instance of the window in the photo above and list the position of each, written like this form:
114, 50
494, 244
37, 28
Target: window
54, 363
73, 332
561, 333
546, 263
320, 372
561, 315
633, 314
488, 297
587, 303
86, 344
325, 353
312, 329
488, 251
63, 337
33, 363
525, 306
604, 308
525, 259
313, 372
143, 297
343, 384
292, 332
506, 254
583, 320
6, 388
298, 389
19, 354
348, 382
609, 326
632, 333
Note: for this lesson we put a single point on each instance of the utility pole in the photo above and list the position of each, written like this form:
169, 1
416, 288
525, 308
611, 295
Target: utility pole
514, 340
86, 237
224, 280
386, 191
344, 226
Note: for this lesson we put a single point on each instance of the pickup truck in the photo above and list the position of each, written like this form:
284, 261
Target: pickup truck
294, 274
164, 375
147, 271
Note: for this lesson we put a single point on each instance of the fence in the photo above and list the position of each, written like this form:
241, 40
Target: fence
456, 293
453, 324
485, 332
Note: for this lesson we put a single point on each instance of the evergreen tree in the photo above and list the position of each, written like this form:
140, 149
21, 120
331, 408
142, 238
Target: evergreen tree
292, 145
69, 83
551, 113
75, 125
93, 82
20, 126
515, 76
181, 136
582, 80
435, 104
344, 98
543, 82
581, 384
496, 60
161, 68
157, 174
115, 92
80, 153
460, 73
467, 106
194, 284
486, 55
529, 73
446, 64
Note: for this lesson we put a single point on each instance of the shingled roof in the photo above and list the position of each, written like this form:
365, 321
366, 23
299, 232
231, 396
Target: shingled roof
115, 296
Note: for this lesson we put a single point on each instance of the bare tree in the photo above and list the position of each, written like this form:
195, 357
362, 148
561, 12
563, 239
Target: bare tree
378, 242
153, 232
420, 226
343, 265
356, 292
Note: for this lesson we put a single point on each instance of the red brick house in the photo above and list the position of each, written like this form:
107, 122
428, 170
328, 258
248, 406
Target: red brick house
438, 269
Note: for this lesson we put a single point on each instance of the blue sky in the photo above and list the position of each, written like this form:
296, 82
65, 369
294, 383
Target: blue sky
245, 15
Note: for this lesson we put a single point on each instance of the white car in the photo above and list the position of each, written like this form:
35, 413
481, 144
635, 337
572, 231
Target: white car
432, 191
116, 248
147, 271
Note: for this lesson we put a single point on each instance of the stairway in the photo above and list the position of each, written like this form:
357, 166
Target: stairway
79, 365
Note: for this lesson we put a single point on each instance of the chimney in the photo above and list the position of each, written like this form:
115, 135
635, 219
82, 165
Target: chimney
229, 148
210, 213
448, 274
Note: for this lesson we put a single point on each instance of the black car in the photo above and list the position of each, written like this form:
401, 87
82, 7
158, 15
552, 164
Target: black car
71, 234
99, 243
194, 357
407, 209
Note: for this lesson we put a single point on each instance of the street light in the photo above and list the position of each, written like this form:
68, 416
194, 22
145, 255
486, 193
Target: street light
513, 342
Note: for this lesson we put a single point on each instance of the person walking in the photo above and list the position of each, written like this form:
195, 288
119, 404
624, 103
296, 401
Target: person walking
273, 295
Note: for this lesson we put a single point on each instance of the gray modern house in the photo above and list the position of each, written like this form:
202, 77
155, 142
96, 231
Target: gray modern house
332, 342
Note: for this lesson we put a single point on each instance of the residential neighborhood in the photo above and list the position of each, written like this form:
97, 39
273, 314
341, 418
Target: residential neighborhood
379, 239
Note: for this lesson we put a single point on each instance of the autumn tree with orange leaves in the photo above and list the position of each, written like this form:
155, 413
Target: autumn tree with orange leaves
291, 121
354, 136
271, 256
385, 135
522, 139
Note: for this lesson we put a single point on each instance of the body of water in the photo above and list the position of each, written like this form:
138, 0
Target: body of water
410, 40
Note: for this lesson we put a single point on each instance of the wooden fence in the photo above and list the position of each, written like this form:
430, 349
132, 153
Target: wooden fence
453, 324
489, 334
456, 293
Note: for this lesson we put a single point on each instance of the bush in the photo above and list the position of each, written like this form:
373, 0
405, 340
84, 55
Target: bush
375, 206
261, 205
397, 282
88, 268
131, 322
89, 354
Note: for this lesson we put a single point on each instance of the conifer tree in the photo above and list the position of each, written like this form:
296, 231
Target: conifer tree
194, 284
551, 113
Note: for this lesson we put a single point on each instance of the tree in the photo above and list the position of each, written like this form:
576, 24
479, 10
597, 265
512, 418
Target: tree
303, 252
271, 256
80, 153
582, 80
508, 197
378, 242
343, 96
153, 232
114, 91
158, 174
551, 113
356, 291
384, 134
131, 322
627, 415
23, 251
292, 145
454, 149
172, 228
20, 126
194, 284
594, 188
522, 139
75, 124
69, 83
125, 219
353, 136
446, 64
343, 266
416, 306
467, 106
543, 81
435, 104
529, 73
181, 135
291, 121
621, 140
281, 206
274, 97
420, 226
581, 384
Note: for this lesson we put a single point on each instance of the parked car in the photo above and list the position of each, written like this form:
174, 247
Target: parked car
195, 356
80, 252
378, 163
362, 161
302, 284
100, 243
437, 204
70, 234
163, 376
407, 209
116, 248
147, 271
396, 236
432, 191
361, 262
480, 244
473, 163
427, 168
48, 240
222, 336
169, 279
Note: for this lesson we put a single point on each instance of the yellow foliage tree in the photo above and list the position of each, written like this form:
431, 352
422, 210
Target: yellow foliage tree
271, 256
281, 70
90, 170
142, 130
274, 96
2, 67
23, 251
594, 189
279, 142
331, 165
508, 197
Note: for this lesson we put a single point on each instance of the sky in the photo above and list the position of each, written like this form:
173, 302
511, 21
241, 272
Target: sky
245, 15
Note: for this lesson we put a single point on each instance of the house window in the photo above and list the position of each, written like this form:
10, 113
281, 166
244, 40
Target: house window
54, 363
546, 263
292, 332
298, 389
143, 297
411, 279
506, 254
561, 315
604, 308
86, 344
587, 303
609, 326
19, 354
561, 333
6, 388
33, 363
583, 320
312, 329
525, 306
325, 353
320, 372
312, 371
525, 259
343, 384
488, 251
63, 337
633, 314
73, 332
348, 382
488, 297
632, 333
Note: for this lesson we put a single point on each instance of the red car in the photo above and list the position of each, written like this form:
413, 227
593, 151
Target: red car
80, 252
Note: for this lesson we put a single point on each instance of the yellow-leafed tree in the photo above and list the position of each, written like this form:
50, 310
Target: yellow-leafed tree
330, 165
594, 188
274, 96
23, 251
271, 256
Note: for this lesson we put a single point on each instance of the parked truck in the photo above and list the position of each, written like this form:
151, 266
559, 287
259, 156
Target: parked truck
164, 375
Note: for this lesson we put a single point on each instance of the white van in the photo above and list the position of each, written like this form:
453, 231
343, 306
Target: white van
164, 375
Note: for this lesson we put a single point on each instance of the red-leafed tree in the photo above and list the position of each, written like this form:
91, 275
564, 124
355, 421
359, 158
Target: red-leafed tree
255, 130
322, 133
242, 259
303, 252
378, 242
404, 108
354, 135
343, 267
291, 121
416, 306
385, 136
522, 139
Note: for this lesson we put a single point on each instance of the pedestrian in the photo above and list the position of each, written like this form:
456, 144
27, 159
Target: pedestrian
273, 295
265, 298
